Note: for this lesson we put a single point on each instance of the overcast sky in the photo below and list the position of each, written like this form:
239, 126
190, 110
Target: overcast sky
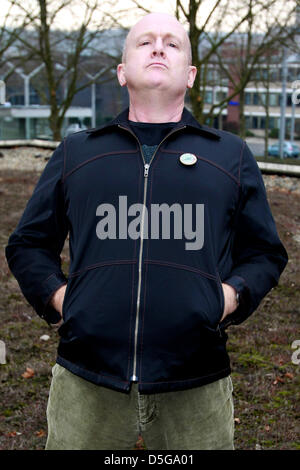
129, 18
72, 18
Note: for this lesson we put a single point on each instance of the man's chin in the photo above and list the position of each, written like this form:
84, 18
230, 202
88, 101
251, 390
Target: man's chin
156, 83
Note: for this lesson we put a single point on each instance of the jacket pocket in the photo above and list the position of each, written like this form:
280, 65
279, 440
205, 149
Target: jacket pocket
183, 297
179, 319
98, 319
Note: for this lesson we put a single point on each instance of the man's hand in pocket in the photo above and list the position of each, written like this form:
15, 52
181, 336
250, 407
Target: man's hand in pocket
230, 302
57, 303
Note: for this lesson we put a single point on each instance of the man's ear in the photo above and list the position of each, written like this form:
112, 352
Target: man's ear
191, 76
121, 74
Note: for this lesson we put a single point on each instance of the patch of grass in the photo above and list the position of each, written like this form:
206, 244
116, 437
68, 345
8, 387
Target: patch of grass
252, 359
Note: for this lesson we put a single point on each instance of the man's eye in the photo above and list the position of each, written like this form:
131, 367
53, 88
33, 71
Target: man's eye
144, 43
172, 44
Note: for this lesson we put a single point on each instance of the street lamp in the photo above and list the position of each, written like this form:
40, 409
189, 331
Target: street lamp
26, 79
283, 103
2, 92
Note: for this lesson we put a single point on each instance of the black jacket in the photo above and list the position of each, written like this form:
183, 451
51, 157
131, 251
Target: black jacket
147, 309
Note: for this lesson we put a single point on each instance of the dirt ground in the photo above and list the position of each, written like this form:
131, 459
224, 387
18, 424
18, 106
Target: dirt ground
266, 381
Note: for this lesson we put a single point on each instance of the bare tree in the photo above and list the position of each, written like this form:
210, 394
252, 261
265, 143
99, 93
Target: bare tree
11, 25
72, 58
266, 29
263, 79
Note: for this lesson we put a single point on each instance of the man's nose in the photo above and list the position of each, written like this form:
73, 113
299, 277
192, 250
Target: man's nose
158, 48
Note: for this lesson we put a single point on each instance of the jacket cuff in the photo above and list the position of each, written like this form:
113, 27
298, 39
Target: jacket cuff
52, 284
244, 308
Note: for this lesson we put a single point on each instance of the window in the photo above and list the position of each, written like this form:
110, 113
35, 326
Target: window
16, 99
248, 99
208, 97
220, 95
262, 99
262, 124
272, 123
293, 73
274, 75
256, 99
257, 74
248, 122
210, 75
273, 99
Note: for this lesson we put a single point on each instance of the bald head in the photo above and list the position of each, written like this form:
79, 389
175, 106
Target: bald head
157, 60
147, 21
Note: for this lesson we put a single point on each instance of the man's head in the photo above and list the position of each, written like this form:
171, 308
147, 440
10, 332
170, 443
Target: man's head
157, 55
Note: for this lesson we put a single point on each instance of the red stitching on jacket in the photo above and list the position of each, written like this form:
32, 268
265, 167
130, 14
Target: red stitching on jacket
105, 263
53, 274
207, 161
116, 153
181, 266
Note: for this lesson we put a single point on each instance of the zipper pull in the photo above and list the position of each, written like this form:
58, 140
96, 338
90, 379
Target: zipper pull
146, 169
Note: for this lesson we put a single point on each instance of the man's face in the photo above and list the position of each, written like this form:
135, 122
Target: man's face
157, 56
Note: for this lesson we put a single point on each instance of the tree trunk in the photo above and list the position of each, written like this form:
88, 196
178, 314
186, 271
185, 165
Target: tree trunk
242, 130
195, 97
54, 119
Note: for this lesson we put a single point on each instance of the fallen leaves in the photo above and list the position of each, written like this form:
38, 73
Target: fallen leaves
278, 380
140, 444
13, 434
281, 380
40, 433
28, 373
289, 375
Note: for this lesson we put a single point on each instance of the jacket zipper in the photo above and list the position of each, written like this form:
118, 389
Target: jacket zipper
134, 377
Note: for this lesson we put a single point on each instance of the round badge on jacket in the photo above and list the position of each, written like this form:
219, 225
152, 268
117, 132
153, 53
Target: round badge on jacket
188, 159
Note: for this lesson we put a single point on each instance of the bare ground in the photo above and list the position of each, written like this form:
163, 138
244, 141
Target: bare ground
266, 382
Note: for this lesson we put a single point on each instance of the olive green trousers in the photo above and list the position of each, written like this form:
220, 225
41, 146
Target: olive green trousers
85, 416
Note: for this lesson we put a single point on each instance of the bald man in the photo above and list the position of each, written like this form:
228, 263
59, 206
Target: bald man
171, 241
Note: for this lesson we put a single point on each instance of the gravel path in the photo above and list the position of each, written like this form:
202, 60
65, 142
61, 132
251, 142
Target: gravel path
26, 158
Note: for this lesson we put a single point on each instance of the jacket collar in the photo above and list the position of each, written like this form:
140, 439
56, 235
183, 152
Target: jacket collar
187, 120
